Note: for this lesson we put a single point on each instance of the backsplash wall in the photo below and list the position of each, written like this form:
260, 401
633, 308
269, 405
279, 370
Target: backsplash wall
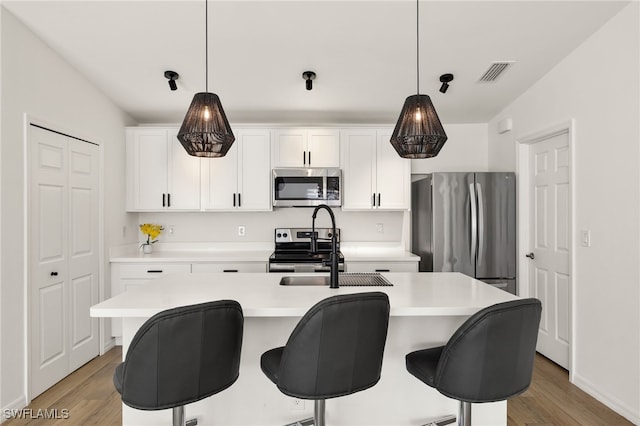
356, 226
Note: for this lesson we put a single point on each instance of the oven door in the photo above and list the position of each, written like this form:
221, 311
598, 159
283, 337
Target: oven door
307, 187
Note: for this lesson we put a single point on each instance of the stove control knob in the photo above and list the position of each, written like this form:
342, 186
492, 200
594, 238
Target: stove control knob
279, 235
285, 235
330, 235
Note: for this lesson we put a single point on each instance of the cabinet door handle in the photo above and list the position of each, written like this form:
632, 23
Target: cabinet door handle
54, 274
163, 200
373, 203
378, 199
154, 271
239, 200
234, 199
383, 270
168, 200
309, 157
229, 270
304, 158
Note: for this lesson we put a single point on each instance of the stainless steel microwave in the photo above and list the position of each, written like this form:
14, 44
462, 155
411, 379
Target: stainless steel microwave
307, 187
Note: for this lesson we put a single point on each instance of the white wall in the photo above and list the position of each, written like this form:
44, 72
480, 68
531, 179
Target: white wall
223, 227
466, 150
598, 86
36, 81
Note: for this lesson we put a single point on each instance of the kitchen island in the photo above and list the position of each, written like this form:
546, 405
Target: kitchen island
426, 308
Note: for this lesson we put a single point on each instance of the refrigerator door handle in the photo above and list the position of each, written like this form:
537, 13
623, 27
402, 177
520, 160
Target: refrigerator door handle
480, 247
474, 223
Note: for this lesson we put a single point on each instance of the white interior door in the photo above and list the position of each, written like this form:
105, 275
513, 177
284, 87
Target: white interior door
83, 251
48, 280
63, 255
549, 227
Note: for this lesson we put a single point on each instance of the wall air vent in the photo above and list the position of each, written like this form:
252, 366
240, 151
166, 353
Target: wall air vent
496, 69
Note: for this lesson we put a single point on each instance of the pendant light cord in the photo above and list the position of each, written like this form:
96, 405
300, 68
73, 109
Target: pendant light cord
206, 45
418, 47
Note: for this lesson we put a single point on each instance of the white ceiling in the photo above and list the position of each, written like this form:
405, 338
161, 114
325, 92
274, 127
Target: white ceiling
362, 51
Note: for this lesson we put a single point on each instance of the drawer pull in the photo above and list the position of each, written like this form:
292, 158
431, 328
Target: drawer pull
383, 270
229, 270
154, 271
54, 274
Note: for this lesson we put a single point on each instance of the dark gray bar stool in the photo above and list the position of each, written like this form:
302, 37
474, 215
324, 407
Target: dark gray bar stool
180, 356
335, 350
489, 358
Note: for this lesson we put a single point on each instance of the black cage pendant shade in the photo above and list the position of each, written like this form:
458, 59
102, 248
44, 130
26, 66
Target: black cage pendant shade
205, 130
418, 132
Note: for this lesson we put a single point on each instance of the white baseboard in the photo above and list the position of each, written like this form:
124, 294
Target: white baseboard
18, 404
613, 403
108, 345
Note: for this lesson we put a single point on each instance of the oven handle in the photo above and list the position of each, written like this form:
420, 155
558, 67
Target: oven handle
290, 267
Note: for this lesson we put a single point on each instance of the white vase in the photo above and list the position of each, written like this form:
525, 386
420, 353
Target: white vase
147, 248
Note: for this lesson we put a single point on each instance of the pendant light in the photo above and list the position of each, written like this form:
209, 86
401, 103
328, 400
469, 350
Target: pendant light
418, 132
205, 130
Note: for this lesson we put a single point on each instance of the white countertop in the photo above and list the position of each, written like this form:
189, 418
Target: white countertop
412, 294
236, 252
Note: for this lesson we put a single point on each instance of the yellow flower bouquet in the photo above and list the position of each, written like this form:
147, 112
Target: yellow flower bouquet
152, 231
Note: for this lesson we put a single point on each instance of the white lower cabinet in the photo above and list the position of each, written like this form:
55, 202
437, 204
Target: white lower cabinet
125, 276
381, 266
229, 267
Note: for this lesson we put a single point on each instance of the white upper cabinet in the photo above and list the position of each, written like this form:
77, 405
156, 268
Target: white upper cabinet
301, 147
374, 175
160, 174
242, 179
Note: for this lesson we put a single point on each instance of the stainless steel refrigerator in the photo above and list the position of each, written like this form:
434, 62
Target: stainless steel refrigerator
466, 222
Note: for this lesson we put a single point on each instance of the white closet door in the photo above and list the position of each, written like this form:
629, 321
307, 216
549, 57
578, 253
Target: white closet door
48, 280
83, 251
63, 255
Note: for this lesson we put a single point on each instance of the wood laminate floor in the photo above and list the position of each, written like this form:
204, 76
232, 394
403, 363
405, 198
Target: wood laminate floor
90, 398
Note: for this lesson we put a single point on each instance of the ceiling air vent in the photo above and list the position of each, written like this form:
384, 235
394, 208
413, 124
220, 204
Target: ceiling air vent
495, 70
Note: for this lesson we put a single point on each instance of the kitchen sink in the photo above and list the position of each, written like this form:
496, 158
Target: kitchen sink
347, 279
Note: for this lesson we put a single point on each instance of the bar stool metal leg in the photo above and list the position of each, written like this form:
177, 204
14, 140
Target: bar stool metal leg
178, 416
318, 412
441, 421
464, 414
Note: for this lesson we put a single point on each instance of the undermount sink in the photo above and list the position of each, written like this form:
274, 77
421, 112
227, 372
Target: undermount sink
344, 279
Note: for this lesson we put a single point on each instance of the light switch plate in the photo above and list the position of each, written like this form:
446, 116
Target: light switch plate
585, 238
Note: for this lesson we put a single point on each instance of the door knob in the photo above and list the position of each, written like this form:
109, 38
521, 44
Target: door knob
531, 256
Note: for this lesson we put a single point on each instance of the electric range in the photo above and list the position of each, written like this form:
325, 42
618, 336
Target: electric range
292, 250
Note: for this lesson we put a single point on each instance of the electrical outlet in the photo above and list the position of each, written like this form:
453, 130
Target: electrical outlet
297, 404
241, 230
171, 229
380, 228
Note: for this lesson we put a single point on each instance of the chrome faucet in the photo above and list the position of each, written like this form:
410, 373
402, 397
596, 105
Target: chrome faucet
333, 259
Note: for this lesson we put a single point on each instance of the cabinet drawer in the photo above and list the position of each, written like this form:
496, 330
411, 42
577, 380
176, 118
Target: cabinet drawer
382, 266
151, 270
229, 267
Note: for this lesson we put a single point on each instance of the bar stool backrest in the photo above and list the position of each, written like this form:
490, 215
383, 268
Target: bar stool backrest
182, 355
336, 348
490, 357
